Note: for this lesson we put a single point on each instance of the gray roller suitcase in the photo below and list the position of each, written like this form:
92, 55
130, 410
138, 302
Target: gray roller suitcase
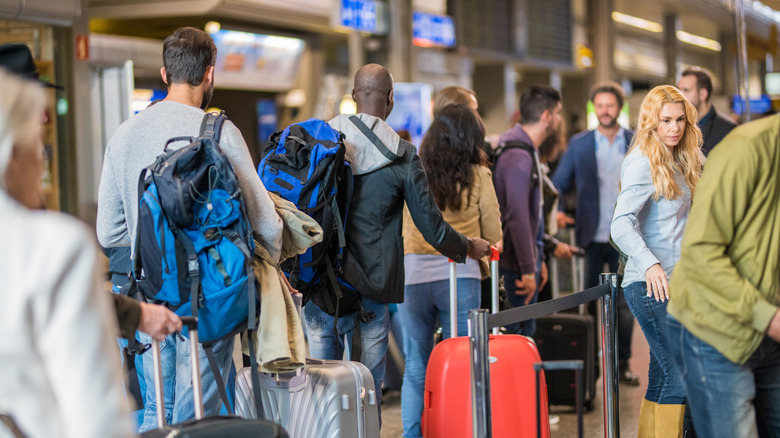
223, 426
328, 398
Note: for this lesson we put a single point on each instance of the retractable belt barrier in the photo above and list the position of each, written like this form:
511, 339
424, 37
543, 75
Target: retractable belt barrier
480, 323
533, 311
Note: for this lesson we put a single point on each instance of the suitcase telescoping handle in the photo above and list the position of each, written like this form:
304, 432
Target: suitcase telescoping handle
192, 323
494, 257
552, 365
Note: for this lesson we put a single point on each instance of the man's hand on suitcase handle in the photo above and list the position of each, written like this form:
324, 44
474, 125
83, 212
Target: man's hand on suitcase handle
478, 248
157, 321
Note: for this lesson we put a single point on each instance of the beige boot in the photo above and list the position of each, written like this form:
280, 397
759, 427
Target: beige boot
647, 419
669, 421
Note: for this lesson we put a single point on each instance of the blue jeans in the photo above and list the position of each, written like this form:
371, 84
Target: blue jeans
184, 407
137, 415
422, 303
664, 384
168, 360
527, 328
324, 343
728, 399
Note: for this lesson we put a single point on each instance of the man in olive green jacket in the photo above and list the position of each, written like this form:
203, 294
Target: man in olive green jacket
723, 313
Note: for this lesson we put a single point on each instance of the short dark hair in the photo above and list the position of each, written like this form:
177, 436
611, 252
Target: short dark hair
703, 78
608, 87
187, 54
536, 100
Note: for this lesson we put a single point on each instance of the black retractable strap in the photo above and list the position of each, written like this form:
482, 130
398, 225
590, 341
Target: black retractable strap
217, 376
255, 376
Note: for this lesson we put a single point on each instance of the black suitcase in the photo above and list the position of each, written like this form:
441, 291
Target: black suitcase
569, 337
223, 426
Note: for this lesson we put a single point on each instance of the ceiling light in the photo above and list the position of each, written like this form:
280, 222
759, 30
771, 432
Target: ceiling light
212, 27
698, 41
347, 105
640, 23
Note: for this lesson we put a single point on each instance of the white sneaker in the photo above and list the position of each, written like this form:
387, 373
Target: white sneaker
554, 419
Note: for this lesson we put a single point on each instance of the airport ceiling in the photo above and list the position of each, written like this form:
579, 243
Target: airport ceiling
708, 18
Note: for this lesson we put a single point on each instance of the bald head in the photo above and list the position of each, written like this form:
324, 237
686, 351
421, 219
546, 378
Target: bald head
373, 92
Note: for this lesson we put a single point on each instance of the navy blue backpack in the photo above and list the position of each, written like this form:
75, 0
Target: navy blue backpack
305, 164
194, 244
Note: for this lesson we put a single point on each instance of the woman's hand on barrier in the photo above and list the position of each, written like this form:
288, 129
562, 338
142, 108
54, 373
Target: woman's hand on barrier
526, 285
657, 286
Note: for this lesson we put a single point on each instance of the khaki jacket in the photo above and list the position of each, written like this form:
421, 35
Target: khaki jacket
479, 216
724, 287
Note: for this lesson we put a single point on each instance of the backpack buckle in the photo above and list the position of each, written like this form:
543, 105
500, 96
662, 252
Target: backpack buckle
193, 266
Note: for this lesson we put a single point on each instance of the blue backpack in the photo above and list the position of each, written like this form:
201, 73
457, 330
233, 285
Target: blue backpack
194, 244
305, 164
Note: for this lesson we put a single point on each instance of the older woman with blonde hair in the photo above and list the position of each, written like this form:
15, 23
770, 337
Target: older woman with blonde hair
658, 178
59, 371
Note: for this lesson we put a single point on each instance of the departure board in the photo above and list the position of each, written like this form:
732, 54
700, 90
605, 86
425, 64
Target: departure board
550, 30
483, 24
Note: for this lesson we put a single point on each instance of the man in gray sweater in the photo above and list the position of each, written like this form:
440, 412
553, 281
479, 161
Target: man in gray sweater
189, 56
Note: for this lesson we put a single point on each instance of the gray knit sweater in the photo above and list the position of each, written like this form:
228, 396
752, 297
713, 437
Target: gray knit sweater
136, 144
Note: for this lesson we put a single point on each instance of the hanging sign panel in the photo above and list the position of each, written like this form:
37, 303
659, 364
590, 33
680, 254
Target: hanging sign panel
363, 15
430, 30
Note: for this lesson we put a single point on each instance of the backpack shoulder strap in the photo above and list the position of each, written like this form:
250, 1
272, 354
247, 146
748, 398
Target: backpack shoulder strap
211, 125
515, 144
518, 144
373, 138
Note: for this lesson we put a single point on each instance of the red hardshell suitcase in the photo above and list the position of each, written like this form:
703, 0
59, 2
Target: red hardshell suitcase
447, 405
447, 401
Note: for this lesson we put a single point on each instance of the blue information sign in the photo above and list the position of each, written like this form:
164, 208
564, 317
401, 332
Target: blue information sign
360, 14
433, 30
757, 106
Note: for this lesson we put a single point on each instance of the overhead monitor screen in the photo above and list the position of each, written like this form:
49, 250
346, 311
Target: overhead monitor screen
250, 61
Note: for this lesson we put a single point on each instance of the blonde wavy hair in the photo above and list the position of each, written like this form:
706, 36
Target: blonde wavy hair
686, 156
21, 105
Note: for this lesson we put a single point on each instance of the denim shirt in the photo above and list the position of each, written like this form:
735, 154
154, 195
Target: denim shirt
646, 230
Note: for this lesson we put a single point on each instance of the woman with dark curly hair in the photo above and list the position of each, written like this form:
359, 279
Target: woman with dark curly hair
462, 185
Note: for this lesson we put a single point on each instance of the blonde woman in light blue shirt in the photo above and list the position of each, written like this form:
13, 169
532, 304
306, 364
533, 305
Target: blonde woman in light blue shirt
657, 180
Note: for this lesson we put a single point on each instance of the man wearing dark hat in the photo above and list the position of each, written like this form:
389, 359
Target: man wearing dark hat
18, 59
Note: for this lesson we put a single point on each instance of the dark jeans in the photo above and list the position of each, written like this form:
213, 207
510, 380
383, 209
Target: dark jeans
596, 255
664, 384
728, 399
526, 328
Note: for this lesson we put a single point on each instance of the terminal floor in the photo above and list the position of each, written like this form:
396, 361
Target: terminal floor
593, 422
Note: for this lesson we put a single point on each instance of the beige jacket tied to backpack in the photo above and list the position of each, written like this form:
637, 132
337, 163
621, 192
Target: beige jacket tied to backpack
279, 340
